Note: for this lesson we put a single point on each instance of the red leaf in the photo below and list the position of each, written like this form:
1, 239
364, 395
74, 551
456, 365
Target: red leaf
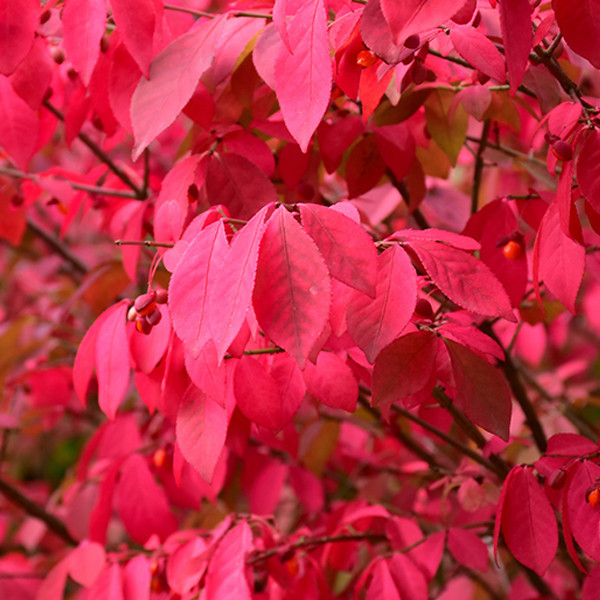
561, 260
141, 503
226, 577
34, 74
135, 20
174, 75
188, 288
479, 51
112, 360
456, 240
465, 280
346, 247
481, 390
147, 350
231, 295
332, 382
467, 548
201, 431
517, 33
377, 34
373, 324
588, 169
579, 23
570, 444
411, 17
409, 579
84, 22
19, 131
18, 22
364, 167
292, 289
404, 367
397, 148
306, 67
528, 522
382, 584
237, 183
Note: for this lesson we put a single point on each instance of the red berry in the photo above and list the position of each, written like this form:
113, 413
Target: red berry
365, 59
512, 250
593, 496
423, 309
159, 458
145, 303
562, 150
162, 296
57, 54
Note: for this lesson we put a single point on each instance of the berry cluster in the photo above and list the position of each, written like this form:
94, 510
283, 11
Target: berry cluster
145, 311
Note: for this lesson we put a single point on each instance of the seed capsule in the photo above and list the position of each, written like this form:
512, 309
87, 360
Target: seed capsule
154, 317
145, 303
562, 150
593, 496
143, 326
365, 59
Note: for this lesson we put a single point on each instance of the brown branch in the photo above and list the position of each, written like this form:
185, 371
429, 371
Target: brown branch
148, 243
54, 524
478, 170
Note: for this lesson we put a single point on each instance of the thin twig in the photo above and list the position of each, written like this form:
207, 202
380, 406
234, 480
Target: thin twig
148, 243
54, 524
478, 169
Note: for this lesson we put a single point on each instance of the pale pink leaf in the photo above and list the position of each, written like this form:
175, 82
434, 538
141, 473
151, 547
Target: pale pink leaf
174, 75
292, 289
479, 51
374, 323
226, 577
19, 131
137, 579
230, 296
411, 17
346, 247
112, 360
188, 288
108, 586
528, 522
332, 382
561, 259
86, 562
201, 430
18, 22
475, 99
517, 33
404, 367
53, 585
142, 504
579, 23
467, 548
465, 280
186, 565
306, 67
135, 20
481, 389
84, 22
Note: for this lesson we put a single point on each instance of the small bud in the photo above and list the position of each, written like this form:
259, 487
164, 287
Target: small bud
593, 496
57, 54
162, 296
562, 150
423, 309
145, 303
366, 58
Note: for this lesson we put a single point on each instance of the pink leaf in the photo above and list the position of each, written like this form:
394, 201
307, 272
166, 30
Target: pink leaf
467, 548
465, 280
141, 503
147, 350
292, 290
346, 247
84, 22
413, 356
226, 577
570, 444
472, 338
188, 288
517, 33
237, 183
479, 51
481, 390
174, 75
588, 168
373, 324
306, 67
528, 522
201, 430
137, 579
579, 23
397, 148
382, 584
411, 17
463, 242
108, 586
86, 562
112, 360
186, 565
34, 75
408, 578
332, 382
19, 131
231, 295
135, 20
18, 22
561, 259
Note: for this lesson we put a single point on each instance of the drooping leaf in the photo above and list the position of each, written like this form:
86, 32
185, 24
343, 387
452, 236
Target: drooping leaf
580, 25
364, 167
517, 33
137, 578
467, 281
404, 367
201, 430
479, 51
108, 586
18, 22
374, 323
467, 548
528, 522
348, 250
482, 391
409, 579
306, 67
382, 584
174, 75
292, 290
84, 22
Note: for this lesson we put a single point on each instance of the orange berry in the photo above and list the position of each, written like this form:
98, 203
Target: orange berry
365, 59
159, 458
593, 496
512, 250
292, 566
